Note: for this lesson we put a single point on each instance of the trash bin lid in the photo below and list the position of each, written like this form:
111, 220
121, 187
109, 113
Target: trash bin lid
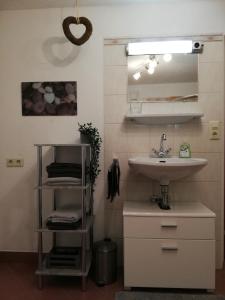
106, 245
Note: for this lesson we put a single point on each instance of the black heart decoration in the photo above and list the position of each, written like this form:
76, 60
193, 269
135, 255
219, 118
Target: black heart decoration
72, 20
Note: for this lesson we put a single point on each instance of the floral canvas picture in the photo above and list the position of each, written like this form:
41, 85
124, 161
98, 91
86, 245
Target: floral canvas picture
49, 98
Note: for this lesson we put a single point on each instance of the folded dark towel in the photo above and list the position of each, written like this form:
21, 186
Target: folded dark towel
64, 165
64, 170
63, 226
65, 173
113, 180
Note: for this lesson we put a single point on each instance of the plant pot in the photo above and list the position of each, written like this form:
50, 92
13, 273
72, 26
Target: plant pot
84, 139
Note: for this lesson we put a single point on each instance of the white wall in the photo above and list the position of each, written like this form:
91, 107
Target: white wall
30, 39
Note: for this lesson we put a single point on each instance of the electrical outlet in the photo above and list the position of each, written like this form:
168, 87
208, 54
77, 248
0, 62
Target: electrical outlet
214, 130
14, 162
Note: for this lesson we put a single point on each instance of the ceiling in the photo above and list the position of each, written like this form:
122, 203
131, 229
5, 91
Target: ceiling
35, 4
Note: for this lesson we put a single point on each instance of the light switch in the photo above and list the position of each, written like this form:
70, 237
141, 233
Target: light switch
214, 130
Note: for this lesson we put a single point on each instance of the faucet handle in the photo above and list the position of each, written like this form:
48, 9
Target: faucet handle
167, 151
163, 137
155, 151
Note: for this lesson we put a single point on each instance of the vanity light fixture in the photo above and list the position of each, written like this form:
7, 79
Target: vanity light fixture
160, 47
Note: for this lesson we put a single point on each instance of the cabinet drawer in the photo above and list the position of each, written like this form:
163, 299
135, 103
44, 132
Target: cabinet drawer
169, 263
169, 227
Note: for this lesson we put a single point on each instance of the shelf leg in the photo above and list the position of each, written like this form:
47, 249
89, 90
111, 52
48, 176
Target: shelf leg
84, 283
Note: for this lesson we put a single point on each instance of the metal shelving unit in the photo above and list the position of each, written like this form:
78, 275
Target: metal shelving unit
82, 154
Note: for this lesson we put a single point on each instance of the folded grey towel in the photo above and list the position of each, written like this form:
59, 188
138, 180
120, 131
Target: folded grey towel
62, 180
65, 214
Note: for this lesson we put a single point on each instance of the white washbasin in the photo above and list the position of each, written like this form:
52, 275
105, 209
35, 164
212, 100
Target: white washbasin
166, 169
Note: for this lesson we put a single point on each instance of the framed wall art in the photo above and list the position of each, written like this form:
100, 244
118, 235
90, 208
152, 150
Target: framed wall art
49, 98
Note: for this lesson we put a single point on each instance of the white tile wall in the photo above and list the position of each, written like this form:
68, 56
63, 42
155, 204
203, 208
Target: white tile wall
211, 104
115, 108
114, 56
210, 75
126, 140
213, 52
115, 80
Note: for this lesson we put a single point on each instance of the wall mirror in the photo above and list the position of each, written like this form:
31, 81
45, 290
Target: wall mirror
164, 77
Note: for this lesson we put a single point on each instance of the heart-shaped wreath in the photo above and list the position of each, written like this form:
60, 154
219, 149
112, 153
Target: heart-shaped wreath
77, 21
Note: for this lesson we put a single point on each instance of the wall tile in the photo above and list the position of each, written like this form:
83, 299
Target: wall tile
115, 108
138, 143
138, 138
211, 77
206, 192
99, 196
115, 80
115, 55
114, 225
139, 191
197, 135
99, 225
115, 138
212, 52
212, 106
99, 229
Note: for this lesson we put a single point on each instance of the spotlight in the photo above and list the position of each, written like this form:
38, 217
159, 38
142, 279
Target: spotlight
137, 75
151, 70
167, 57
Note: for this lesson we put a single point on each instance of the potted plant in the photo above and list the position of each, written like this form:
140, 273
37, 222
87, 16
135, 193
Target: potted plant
90, 135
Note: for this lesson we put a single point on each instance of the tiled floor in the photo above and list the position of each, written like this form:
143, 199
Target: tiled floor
18, 282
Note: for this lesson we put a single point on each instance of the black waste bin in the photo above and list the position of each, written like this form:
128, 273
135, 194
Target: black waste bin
105, 262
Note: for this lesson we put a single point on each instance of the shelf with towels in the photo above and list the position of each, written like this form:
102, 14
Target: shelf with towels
54, 271
68, 170
88, 226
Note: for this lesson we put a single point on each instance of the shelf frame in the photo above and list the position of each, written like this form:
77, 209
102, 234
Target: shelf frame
48, 271
86, 228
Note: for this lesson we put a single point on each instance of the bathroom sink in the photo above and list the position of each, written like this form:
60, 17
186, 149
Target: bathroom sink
166, 169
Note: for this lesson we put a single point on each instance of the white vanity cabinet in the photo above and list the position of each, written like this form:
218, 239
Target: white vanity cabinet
169, 248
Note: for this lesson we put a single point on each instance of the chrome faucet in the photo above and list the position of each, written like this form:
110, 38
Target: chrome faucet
162, 151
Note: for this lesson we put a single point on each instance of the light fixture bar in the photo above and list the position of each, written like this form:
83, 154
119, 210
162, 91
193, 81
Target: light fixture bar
161, 47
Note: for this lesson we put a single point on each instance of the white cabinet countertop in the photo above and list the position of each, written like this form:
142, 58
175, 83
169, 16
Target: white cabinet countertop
178, 209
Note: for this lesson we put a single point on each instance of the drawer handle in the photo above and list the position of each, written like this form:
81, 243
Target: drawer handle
169, 248
169, 225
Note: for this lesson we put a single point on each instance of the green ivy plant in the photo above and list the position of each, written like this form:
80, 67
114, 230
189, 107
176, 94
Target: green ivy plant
93, 138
